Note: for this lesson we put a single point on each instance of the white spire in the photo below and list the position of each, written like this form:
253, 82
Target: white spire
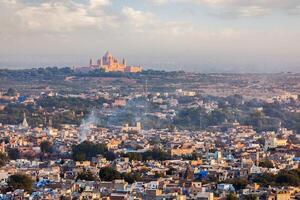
24, 123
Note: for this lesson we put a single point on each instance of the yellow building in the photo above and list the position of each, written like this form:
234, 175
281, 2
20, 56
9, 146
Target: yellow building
182, 150
113, 144
137, 128
110, 64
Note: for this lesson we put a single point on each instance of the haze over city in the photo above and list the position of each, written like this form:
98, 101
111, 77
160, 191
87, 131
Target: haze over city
190, 35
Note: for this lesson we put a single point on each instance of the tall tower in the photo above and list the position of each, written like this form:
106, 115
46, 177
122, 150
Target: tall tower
91, 62
124, 62
50, 123
101, 62
24, 123
257, 159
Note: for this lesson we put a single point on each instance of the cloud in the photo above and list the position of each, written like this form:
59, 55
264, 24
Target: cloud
241, 8
152, 26
53, 16
99, 3
138, 18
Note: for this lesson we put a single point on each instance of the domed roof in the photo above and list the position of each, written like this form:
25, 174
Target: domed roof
108, 54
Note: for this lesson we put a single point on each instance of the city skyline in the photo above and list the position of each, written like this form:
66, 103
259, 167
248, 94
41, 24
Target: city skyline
190, 35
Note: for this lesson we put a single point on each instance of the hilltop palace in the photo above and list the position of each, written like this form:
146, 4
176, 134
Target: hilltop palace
110, 64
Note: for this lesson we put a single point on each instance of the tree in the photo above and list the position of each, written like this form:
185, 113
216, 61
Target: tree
288, 178
283, 178
86, 150
46, 147
109, 155
266, 163
265, 179
238, 183
109, 174
131, 177
158, 175
261, 141
3, 159
231, 196
20, 181
155, 154
11, 92
250, 197
170, 171
87, 176
13, 153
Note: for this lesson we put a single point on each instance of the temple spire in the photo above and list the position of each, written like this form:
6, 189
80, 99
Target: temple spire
24, 123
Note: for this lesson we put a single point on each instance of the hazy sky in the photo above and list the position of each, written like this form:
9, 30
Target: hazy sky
194, 35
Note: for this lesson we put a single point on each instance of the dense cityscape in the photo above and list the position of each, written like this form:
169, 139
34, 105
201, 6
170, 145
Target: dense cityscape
108, 131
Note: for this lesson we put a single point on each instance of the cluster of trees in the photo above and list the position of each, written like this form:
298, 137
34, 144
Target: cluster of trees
13, 113
86, 150
71, 103
266, 163
13, 153
272, 115
11, 92
102, 73
283, 178
155, 154
238, 183
37, 73
198, 118
234, 108
87, 176
110, 174
3, 159
46, 148
20, 181
50, 73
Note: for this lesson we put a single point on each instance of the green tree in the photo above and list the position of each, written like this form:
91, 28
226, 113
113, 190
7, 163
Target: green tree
3, 159
109, 174
13, 153
231, 196
131, 177
46, 147
86, 150
266, 163
238, 183
109, 155
250, 197
155, 154
87, 176
283, 178
20, 181
170, 171
265, 179
288, 178
11, 92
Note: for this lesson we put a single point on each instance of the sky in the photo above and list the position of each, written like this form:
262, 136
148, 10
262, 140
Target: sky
190, 35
